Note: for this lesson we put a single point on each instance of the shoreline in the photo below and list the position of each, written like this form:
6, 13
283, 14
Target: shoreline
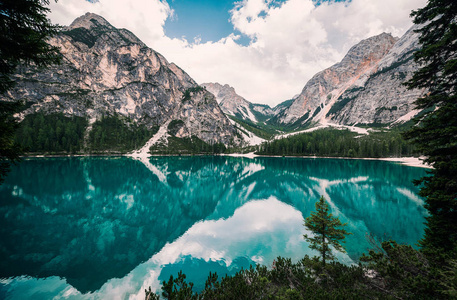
407, 161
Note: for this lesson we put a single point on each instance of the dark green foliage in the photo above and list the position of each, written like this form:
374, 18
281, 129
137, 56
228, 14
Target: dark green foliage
112, 134
407, 273
178, 288
261, 130
340, 143
187, 145
24, 28
393, 272
448, 284
339, 104
82, 35
306, 279
327, 231
174, 126
52, 134
188, 93
150, 295
318, 109
9, 149
436, 132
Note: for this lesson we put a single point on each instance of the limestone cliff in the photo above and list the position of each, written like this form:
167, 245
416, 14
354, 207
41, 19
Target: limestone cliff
109, 71
234, 105
382, 98
366, 87
324, 88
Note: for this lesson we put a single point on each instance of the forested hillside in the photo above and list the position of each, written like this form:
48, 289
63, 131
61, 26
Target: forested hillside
340, 143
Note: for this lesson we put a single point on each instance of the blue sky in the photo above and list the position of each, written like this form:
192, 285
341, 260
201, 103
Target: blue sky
266, 49
204, 20
207, 20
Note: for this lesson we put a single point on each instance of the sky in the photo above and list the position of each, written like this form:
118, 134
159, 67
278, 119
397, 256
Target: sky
266, 49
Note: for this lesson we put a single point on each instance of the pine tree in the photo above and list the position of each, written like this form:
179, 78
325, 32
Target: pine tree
24, 29
324, 226
435, 133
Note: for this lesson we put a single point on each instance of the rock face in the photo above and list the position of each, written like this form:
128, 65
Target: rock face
365, 87
109, 71
234, 105
382, 98
325, 87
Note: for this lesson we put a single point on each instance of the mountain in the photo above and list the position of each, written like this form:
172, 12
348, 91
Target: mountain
382, 98
107, 71
324, 88
234, 105
364, 88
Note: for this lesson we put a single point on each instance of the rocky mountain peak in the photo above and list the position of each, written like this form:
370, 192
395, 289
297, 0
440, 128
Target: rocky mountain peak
91, 29
382, 98
373, 48
107, 71
234, 105
89, 21
324, 88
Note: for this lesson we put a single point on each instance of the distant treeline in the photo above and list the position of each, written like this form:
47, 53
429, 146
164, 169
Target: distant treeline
188, 145
56, 133
110, 133
51, 133
340, 143
59, 134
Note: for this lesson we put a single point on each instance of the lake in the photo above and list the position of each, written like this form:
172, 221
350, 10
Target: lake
99, 227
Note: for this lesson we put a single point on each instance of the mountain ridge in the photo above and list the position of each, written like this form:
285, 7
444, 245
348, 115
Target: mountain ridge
365, 87
109, 71
324, 88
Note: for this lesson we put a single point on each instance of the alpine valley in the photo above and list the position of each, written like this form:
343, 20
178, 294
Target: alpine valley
365, 88
113, 94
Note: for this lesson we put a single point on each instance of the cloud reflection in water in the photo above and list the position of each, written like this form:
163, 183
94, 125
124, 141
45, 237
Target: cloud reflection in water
111, 227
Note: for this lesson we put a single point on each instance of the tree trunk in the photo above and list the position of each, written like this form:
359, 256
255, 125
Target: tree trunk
323, 246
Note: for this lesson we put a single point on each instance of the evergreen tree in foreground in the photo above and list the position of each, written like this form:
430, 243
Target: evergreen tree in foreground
24, 29
435, 133
324, 226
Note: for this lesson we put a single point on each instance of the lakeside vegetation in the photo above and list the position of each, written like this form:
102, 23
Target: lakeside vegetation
58, 134
187, 146
330, 142
51, 134
114, 134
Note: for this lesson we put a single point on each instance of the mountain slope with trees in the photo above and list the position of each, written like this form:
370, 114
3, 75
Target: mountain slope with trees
109, 72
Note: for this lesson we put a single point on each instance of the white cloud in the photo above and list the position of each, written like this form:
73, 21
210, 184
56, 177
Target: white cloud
145, 18
290, 42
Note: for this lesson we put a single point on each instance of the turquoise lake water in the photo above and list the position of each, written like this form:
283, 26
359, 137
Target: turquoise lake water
108, 228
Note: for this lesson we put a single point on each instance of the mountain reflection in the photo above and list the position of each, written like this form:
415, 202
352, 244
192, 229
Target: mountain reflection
89, 220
